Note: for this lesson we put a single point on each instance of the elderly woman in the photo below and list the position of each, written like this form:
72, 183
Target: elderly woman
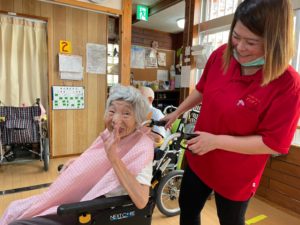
118, 162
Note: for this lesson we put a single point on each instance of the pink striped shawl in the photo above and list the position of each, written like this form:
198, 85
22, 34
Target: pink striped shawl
88, 177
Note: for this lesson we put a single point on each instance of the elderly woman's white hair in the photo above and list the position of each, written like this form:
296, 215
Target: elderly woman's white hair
133, 96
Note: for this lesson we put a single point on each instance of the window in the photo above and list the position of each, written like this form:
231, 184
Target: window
214, 39
296, 64
214, 29
217, 8
112, 64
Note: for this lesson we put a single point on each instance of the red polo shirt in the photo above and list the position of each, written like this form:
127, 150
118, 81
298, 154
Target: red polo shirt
235, 104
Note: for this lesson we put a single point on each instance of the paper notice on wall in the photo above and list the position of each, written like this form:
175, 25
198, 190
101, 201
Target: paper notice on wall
187, 51
177, 81
96, 58
201, 60
185, 76
162, 75
137, 59
70, 63
150, 58
201, 53
70, 67
71, 76
161, 59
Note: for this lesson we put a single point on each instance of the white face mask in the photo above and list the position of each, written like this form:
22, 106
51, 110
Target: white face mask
256, 62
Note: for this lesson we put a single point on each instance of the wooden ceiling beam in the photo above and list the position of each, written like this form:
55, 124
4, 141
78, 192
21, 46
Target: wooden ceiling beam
87, 6
160, 6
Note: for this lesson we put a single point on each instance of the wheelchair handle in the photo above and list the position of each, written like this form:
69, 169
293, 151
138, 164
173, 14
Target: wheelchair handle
189, 136
161, 123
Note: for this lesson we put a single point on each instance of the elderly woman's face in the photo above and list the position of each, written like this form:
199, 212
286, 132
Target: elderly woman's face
120, 116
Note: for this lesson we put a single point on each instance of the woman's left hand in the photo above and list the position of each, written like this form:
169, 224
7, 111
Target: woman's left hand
204, 143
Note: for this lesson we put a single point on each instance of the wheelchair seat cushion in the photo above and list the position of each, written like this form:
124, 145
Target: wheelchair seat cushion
19, 126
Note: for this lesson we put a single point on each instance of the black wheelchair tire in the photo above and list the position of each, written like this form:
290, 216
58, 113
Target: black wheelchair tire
166, 184
45, 153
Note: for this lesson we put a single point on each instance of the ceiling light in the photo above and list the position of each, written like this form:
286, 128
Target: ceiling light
180, 23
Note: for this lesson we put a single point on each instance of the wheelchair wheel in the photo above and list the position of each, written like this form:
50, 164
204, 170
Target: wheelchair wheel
45, 153
168, 193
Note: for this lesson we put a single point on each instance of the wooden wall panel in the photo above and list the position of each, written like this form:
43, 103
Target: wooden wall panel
124, 42
285, 167
72, 131
78, 34
265, 181
282, 177
7, 5
285, 189
82, 128
144, 37
280, 199
95, 82
18, 5
293, 157
32, 6
281, 180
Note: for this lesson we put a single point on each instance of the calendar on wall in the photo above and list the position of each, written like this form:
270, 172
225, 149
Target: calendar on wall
67, 97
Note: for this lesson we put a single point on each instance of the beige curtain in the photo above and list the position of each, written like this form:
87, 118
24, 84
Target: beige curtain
23, 61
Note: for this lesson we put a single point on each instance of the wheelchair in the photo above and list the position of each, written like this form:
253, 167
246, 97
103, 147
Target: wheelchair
121, 210
164, 193
23, 134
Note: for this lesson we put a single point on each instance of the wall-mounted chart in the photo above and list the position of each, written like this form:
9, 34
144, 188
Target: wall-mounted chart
67, 97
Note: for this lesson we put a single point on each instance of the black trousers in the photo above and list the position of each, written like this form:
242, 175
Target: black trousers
193, 195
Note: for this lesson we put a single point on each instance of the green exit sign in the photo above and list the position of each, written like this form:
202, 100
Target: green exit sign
142, 12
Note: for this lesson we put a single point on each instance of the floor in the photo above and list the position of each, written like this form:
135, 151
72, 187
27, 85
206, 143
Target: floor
20, 175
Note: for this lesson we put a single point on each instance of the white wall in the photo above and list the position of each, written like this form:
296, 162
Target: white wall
296, 4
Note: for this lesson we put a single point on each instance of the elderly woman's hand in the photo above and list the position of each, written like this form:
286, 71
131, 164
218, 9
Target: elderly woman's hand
111, 143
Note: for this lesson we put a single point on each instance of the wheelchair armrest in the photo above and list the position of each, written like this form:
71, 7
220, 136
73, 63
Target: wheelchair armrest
93, 205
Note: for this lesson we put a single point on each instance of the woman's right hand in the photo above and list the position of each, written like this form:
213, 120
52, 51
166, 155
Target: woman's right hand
111, 143
192, 100
170, 118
